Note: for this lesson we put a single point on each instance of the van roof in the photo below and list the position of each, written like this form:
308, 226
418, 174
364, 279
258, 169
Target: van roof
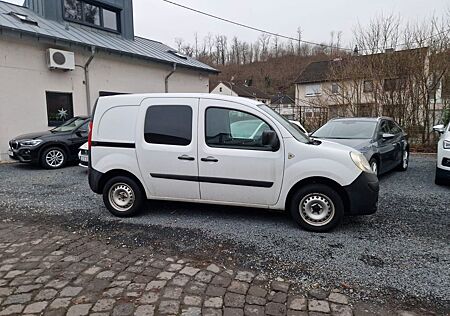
133, 99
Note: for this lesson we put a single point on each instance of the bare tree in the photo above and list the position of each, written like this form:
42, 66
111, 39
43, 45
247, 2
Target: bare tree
179, 41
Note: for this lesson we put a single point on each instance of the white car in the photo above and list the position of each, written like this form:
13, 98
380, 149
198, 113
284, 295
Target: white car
443, 155
218, 149
83, 155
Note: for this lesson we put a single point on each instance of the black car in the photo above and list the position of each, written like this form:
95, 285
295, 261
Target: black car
54, 148
382, 141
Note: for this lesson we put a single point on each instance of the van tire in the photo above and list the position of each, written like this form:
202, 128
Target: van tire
122, 196
317, 199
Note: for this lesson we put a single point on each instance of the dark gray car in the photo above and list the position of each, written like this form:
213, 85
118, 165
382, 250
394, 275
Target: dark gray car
380, 139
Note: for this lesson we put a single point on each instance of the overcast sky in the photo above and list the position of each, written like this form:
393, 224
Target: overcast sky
158, 20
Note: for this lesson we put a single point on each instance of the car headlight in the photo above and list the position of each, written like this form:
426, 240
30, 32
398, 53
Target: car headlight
30, 142
446, 144
360, 161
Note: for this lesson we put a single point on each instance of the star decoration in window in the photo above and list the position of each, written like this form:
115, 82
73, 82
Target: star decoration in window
62, 114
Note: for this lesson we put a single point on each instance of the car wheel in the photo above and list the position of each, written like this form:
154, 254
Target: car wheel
403, 166
122, 196
317, 207
53, 158
374, 165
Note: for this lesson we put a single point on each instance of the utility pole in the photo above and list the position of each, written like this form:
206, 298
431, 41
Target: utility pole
299, 31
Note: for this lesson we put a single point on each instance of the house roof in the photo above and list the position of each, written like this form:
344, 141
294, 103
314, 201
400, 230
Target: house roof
245, 91
319, 71
282, 99
74, 34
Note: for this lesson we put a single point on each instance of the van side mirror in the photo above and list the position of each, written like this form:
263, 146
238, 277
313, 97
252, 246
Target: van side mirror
387, 136
439, 129
270, 138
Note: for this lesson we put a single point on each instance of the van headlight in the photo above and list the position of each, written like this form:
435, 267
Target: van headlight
446, 144
30, 142
360, 161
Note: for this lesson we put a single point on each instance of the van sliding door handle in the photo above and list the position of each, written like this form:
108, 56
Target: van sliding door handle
209, 159
186, 157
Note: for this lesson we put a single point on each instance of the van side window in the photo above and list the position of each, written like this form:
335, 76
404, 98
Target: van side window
229, 128
168, 125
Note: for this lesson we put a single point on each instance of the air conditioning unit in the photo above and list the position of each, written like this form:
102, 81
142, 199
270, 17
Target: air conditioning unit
60, 59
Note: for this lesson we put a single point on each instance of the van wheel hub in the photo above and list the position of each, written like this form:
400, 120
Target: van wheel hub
316, 209
121, 196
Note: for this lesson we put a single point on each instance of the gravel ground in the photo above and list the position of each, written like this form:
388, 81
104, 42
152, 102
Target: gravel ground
401, 253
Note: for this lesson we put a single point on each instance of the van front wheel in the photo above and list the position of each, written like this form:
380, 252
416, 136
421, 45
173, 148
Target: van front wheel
122, 196
317, 207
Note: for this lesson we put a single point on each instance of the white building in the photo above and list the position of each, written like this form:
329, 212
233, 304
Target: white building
99, 55
241, 90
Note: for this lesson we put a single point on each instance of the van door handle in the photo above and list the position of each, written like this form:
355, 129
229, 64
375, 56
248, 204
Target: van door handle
186, 157
209, 159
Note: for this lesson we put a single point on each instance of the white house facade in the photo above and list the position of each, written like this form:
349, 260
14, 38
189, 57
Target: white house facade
241, 90
37, 93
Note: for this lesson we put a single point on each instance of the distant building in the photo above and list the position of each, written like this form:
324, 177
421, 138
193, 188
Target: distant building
241, 90
58, 57
285, 105
377, 84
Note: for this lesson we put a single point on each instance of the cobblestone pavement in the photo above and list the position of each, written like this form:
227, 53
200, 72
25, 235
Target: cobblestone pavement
51, 271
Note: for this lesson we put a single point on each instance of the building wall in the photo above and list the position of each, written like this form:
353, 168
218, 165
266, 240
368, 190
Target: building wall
326, 98
223, 89
25, 78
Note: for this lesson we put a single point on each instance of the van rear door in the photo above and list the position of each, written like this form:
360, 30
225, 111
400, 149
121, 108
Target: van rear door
166, 147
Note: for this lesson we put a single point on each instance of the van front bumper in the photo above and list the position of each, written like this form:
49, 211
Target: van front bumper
363, 194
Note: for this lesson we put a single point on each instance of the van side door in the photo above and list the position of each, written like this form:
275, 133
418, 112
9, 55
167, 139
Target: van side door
234, 166
166, 147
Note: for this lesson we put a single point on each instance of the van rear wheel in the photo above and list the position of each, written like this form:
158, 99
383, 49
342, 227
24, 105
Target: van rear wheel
317, 207
122, 196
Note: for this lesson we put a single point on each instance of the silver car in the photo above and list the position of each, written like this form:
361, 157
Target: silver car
382, 141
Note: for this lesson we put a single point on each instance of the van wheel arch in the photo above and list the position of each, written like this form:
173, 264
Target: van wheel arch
318, 180
119, 172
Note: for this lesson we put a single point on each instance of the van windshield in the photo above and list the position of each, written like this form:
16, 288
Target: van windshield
298, 135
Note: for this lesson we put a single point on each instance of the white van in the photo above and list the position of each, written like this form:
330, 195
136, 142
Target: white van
223, 150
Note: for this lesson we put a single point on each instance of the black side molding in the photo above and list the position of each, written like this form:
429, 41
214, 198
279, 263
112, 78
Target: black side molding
248, 183
113, 144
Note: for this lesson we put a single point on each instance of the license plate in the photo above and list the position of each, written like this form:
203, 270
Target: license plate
84, 158
10, 152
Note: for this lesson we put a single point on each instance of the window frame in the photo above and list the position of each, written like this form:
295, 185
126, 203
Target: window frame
365, 90
54, 123
205, 128
101, 6
391, 84
165, 106
316, 93
335, 88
